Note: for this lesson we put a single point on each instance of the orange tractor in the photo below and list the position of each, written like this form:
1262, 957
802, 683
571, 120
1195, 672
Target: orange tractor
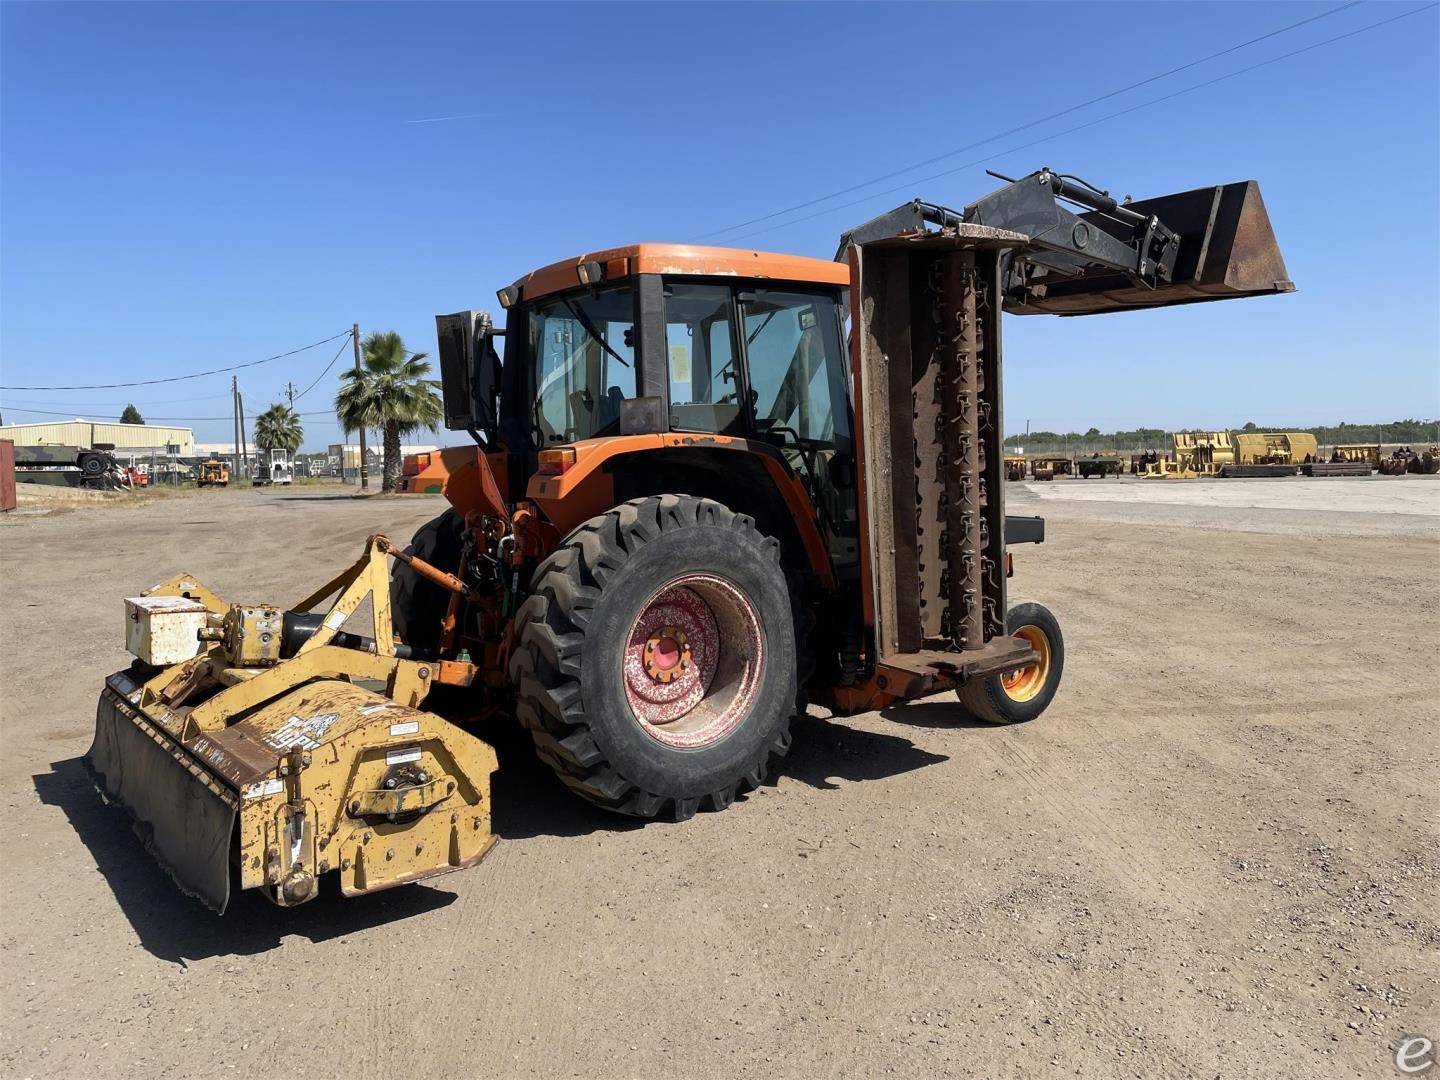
705, 486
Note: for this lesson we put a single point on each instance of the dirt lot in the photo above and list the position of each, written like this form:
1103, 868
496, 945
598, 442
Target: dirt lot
1215, 855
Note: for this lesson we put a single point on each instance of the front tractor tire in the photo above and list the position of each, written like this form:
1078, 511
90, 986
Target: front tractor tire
418, 605
657, 666
1013, 697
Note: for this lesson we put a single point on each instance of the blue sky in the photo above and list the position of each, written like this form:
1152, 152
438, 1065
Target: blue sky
191, 186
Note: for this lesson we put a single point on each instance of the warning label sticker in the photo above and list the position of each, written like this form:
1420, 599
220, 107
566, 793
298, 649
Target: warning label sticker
301, 732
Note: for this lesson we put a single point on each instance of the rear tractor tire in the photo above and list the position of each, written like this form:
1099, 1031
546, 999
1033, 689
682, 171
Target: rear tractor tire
1013, 697
657, 663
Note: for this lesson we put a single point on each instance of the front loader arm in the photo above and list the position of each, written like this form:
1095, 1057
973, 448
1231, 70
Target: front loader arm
1212, 243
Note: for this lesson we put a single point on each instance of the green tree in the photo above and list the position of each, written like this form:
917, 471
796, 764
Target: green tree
389, 392
278, 428
131, 415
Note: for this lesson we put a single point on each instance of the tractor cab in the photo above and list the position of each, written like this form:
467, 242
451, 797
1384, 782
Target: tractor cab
710, 349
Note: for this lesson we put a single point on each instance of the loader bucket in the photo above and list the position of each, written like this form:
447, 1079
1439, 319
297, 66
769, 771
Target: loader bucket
1227, 251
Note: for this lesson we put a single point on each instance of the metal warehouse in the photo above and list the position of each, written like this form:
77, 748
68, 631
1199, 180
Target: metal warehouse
86, 433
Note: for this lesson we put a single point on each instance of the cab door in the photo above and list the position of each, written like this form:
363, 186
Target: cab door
797, 375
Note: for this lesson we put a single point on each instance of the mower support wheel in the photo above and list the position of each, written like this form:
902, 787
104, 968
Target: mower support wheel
1013, 697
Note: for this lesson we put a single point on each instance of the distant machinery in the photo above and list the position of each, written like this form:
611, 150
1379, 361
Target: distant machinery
1196, 453
1272, 453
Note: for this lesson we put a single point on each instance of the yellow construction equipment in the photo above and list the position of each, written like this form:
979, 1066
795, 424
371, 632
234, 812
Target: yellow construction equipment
1275, 448
1366, 452
1203, 452
334, 766
1047, 468
1196, 453
212, 473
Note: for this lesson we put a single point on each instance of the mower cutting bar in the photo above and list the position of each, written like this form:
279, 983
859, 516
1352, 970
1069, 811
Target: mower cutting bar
958, 383
928, 415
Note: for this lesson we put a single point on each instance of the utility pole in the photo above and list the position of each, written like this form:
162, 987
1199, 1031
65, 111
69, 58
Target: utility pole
364, 469
244, 442
290, 390
235, 406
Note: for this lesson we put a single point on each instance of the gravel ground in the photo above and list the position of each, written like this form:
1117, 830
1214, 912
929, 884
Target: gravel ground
1216, 854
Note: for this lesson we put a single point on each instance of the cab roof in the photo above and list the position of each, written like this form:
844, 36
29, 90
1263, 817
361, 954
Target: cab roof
683, 259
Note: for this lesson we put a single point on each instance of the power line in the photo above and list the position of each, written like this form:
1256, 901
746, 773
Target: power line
122, 404
182, 378
170, 419
1032, 123
909, 184
442, 119
326, 371
23, 406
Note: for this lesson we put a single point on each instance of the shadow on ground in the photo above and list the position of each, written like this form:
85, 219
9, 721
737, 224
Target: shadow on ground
826, 750
178, 929
932, 714
321, 498
527, 801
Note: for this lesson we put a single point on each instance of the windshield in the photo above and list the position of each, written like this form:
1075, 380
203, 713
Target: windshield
582, 359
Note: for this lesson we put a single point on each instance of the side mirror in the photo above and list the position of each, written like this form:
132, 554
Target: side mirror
469, 371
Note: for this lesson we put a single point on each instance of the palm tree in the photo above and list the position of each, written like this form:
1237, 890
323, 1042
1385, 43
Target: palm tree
390, 392
278, 428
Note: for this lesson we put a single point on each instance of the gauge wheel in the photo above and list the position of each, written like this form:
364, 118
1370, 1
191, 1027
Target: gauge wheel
657, 668
1013, 697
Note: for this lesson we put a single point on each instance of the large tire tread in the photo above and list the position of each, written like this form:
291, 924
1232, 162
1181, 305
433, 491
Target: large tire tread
550, 633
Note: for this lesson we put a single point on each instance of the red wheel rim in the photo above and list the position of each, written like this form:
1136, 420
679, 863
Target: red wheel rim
693, 661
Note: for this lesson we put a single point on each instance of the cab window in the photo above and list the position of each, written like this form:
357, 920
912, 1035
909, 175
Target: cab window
582, 359
705, 390
796, 366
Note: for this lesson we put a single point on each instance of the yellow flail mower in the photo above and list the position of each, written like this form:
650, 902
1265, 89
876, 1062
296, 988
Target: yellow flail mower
333, 767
